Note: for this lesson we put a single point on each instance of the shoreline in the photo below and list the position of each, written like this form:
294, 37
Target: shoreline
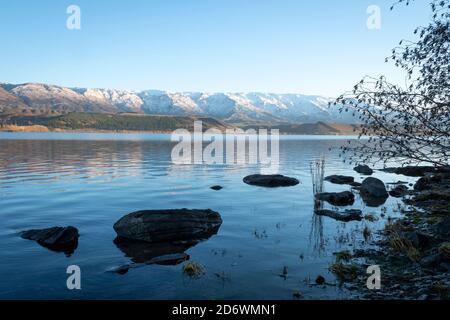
42, 129
413, 251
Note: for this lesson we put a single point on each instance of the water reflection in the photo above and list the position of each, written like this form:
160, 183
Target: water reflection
90, 184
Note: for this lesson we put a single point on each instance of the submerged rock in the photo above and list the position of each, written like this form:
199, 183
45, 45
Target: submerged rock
57, 239
340, 179
373, 192
168, 225
345, 198
399, 191
271, 181
217, 188
345, 216
363, 169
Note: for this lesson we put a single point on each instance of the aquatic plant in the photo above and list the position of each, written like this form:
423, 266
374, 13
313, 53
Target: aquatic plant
193, 269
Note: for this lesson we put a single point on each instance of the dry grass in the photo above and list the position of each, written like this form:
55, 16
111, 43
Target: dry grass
33, 128
344, 271
193, 269
343, 256
405, 246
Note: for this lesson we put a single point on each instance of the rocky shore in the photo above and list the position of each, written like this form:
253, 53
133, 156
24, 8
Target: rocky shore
413, 251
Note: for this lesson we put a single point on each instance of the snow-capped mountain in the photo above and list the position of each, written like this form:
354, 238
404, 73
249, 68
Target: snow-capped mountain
36, 98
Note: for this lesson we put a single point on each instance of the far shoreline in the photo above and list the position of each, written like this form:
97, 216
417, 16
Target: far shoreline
43, 129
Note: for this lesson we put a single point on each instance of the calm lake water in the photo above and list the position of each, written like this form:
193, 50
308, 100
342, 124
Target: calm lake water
91, 180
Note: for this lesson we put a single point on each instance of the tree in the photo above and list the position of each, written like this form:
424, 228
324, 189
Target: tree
409, 124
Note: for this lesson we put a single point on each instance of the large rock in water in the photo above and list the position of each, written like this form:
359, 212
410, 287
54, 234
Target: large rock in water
340, 179
270, 181
363, 169
168, 225
373, 191
345, 198
57, 239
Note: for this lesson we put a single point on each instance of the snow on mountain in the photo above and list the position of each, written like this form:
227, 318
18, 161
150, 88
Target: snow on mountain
229, 107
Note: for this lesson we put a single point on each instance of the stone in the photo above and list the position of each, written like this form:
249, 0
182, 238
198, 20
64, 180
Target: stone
346, 216
217, 188
271, 181
320, 280
337, 179
58, 239
168, 225
373, 192
363, 169
345, 198
399, 191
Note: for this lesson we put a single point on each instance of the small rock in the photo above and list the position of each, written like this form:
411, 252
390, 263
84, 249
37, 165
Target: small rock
57, 239
346, 216
356, 184
337, 179
320, 280
271, 181
363, 169
217, 188
399, 191
345, 198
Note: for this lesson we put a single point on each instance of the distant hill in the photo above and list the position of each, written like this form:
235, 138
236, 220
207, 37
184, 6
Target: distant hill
319, 128
115, 122
133, 122
36, 99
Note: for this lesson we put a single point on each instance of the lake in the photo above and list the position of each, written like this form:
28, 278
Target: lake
89, 181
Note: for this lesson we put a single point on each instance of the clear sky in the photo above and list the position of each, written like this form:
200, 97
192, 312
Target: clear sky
285, 46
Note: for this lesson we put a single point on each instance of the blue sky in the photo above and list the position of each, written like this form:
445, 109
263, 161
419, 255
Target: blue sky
284, 46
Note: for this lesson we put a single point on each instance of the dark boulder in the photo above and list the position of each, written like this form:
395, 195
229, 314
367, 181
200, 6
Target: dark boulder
373, 192
363, 169
345, 198
168, 225
336, 179
271, 181
57, 239
320, 280
399, 191
346, 216
216, 188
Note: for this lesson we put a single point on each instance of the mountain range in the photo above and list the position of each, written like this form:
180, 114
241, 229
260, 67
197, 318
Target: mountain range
233, 108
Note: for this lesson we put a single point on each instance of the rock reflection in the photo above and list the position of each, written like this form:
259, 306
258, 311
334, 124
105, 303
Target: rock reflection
165, 253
